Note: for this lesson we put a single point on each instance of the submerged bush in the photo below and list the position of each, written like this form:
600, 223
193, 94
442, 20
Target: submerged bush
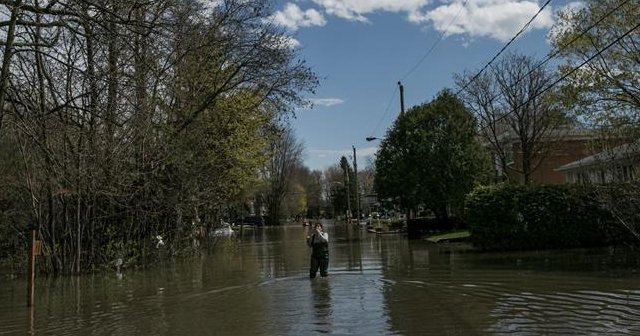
511, 217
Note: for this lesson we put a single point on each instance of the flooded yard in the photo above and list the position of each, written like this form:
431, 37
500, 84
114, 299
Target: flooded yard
378, 285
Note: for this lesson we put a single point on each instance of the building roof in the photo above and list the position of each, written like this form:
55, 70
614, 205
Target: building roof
555, 134
626, 151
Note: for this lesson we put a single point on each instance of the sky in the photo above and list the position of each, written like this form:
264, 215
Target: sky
360, 49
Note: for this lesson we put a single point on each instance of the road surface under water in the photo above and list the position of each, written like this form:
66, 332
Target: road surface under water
378, 285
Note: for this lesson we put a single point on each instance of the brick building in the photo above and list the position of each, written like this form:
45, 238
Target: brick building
562, 147
618, 164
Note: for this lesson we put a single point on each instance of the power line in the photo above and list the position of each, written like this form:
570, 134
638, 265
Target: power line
386, 111
442, 37
505, 47
561, 48
563, 77
435, 44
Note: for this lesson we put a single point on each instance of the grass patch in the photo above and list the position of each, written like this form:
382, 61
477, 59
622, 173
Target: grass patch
451, 236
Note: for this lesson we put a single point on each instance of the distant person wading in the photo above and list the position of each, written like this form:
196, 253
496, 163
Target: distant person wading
319, 243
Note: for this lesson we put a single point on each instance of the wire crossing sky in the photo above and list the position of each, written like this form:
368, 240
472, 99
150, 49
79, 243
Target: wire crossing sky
361, 49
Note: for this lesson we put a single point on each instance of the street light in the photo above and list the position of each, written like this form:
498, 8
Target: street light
372, 138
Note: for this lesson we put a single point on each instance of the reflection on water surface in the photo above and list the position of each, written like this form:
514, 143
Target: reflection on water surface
378, 285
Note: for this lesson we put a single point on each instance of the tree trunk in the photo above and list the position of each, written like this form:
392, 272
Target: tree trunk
6, 59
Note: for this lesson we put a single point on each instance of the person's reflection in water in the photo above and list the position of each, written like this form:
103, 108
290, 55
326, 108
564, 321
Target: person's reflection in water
322, 305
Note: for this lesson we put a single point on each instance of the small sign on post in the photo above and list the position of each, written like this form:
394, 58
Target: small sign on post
37, 247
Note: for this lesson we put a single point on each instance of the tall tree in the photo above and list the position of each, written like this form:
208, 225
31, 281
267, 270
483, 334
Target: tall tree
430, 156
286, 154
348, 178
334, 189
510, 106
606, 90
604, 93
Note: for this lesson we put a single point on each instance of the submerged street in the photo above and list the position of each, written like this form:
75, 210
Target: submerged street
377, 284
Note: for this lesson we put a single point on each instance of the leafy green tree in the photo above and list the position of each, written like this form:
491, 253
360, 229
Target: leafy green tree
606, 90
286, 153
430, 156
348, 181
334, 191
123, 121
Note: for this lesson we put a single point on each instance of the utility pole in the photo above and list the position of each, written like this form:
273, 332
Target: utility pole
411, 213
355, 170
349, 214
401, 98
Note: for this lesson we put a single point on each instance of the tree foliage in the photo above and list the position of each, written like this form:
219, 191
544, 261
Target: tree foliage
604, 93
430, 156
510, 105
334, 190
606, 90
286, 157
512, 217
135, 119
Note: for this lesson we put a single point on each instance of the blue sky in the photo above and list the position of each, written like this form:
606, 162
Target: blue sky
361, 48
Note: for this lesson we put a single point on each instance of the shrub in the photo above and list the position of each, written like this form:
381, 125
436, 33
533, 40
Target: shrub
511, 217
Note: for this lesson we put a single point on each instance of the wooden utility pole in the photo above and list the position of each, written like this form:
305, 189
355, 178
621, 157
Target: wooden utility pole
355, 171
411, 213
401, 98
349, 214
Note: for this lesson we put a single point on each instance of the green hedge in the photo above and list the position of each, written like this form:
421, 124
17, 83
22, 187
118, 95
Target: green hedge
512, 217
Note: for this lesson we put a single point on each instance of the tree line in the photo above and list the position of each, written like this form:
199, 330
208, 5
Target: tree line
121, 121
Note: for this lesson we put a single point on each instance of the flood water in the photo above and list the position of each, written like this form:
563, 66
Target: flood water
378, 285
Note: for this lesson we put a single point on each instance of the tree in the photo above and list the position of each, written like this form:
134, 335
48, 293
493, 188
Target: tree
136, 119
334, 190
286, 153
509, 103
606, 90
348, 178
430, 156
305, 195
604, 93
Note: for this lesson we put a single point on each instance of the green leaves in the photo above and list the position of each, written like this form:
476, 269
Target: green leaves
610, 82
430, 156
511, 217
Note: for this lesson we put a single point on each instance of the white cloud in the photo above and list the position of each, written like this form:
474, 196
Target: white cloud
292, 17
326, 101
498, 19
355, 10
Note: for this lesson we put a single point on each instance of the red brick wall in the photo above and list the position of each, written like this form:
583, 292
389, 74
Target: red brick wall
562, 153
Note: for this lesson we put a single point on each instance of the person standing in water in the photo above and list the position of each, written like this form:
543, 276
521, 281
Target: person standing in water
319, 243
